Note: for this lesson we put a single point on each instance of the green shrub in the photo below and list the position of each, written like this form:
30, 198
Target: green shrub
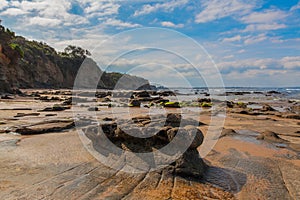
17, 48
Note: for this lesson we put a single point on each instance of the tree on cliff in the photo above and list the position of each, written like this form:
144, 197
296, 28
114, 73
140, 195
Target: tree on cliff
75, 51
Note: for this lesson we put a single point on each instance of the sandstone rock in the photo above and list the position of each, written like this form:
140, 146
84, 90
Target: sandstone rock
190, 164
173, 120
270, 136
198, 136
46, 127
267, 107
26, 114
227, 132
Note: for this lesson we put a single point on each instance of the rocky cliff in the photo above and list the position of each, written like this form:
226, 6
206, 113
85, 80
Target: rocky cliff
32, 64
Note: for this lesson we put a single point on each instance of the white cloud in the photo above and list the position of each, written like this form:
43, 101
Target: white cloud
281, 64
291, 62
101, 8
263, 27
247, 40
166, 6
255, 39
119, 23
171, 24
296, 7
217, 9
228, 57
13, 12
3, 4
232, 39
265, 20
52, 12
263, 17
40, 21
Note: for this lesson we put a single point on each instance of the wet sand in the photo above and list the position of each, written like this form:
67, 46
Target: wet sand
56, 165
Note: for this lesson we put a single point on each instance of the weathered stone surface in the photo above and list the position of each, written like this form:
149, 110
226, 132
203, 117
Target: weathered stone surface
270, 136
46, 127
227, 132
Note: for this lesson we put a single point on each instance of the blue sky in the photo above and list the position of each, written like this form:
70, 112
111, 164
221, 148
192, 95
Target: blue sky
252, 42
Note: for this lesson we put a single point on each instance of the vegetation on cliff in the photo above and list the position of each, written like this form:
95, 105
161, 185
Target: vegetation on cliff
32, 64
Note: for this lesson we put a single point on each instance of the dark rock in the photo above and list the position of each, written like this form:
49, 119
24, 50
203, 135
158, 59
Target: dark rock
134, 103
198, 139
163, 134
93, 109
273, 92
141, 94
236, 93
26, 114
190, 165
67, 102
204, 100
50, 115
55, 108
108, 119
6, 97
229, 104
267, 107
173, 120
166, 93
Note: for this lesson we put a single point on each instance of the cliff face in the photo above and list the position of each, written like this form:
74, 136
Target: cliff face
31, 64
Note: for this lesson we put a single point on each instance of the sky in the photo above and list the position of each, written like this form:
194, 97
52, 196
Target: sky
250, 43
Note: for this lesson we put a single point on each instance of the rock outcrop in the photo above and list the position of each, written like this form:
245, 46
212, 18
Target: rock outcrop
138, 137
31, 64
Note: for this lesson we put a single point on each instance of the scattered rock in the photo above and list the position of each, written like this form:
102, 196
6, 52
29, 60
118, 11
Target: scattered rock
172, 105
26, 114
6, 97
55, 108
270, 136
291, 116
141, 94
236, 93
173, 120
227, 132
93, 109
204, 100
166, 93
108, 119
67, 102
134, 103
50, 115
46, 127
267, 107
273, 92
